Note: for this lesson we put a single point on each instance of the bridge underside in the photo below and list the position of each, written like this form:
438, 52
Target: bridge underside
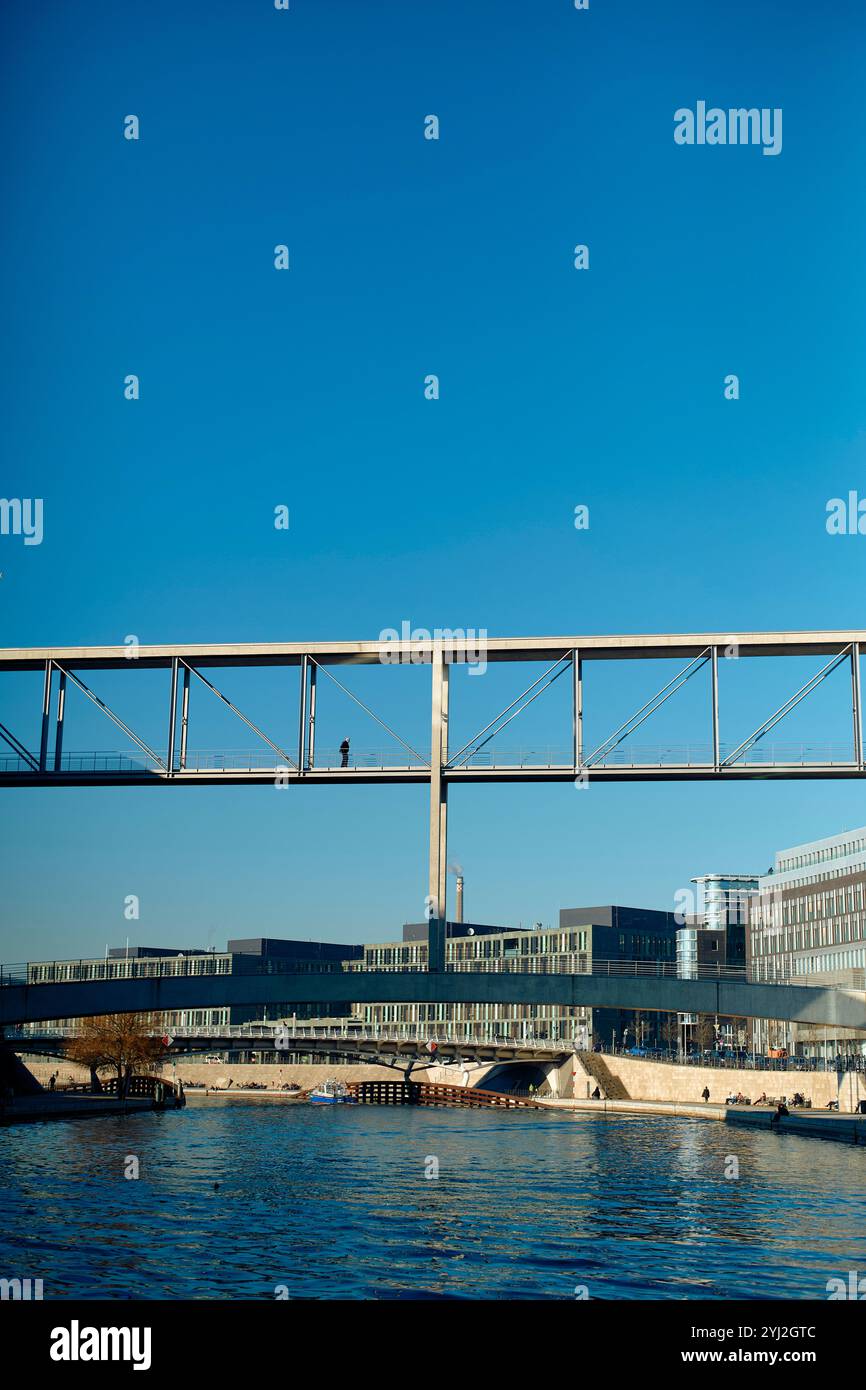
382, 1050
731, 998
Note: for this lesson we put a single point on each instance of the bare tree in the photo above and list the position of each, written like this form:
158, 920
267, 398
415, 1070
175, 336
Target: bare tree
705, 1032
116, 1043
670, 1029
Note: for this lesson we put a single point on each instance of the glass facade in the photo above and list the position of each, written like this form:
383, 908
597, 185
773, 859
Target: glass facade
808, 922
575, 947
715, 935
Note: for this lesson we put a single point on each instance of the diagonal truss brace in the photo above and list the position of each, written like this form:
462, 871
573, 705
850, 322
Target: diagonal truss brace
100, 704
18, 746
234, 709
641, 715
325, 672
495, 726
786, 708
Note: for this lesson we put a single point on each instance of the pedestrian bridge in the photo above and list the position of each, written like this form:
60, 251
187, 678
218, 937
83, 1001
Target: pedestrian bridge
379, 1044
23, 1002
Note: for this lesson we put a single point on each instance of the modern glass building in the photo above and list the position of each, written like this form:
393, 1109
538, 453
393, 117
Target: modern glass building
587, 938
715, 935
251, 956
808, 925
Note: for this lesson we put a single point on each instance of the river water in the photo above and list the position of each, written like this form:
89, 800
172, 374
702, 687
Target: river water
253, 1199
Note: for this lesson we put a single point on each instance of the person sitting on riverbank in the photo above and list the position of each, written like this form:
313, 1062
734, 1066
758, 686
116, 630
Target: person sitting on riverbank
780, 1111
596, 1095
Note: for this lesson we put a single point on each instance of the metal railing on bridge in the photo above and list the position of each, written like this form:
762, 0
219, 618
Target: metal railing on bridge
222, 963
462, 1035
466, 1036
206, 963
528, 965
548, 757
208, 760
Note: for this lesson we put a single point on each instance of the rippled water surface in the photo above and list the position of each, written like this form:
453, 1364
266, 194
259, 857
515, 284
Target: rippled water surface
333, 1202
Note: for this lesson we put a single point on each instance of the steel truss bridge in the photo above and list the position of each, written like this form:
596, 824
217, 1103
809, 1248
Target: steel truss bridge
441, 768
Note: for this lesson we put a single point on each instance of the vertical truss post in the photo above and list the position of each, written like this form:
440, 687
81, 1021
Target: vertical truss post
172, 716
302, 715
856, 704
715, 684
577, 709
61, 710
438, 814
184, 716
311, 724
46, 714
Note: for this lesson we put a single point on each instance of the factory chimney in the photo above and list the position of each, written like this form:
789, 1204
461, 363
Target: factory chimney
459, 908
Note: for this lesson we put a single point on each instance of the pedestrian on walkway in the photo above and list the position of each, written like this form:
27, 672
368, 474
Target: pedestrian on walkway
344, 753
706, 1093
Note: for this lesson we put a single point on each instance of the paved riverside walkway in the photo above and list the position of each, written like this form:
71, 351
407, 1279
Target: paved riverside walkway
826, 1124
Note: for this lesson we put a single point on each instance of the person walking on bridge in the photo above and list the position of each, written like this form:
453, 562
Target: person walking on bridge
344, 753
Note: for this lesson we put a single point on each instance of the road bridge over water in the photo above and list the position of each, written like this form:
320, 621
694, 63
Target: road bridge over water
836, 1007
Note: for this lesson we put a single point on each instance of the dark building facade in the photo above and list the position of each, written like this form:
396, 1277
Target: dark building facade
586, 937
608, 938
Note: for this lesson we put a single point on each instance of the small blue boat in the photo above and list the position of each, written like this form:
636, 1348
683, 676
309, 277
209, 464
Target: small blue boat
332, 1093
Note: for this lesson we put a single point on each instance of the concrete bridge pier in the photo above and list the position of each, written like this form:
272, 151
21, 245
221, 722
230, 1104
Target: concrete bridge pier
14, 1076
436, 902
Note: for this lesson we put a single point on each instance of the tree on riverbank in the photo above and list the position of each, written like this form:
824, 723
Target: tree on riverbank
705, 1032
117, 1043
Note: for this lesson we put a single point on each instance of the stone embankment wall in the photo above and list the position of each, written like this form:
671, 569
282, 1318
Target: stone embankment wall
641, 1079
213, 1074
635, 1078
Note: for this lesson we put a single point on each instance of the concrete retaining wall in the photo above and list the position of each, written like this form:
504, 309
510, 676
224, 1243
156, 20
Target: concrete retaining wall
240, 1073
677, 1085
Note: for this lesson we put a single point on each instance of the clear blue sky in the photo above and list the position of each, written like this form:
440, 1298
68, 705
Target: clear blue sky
305, 388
